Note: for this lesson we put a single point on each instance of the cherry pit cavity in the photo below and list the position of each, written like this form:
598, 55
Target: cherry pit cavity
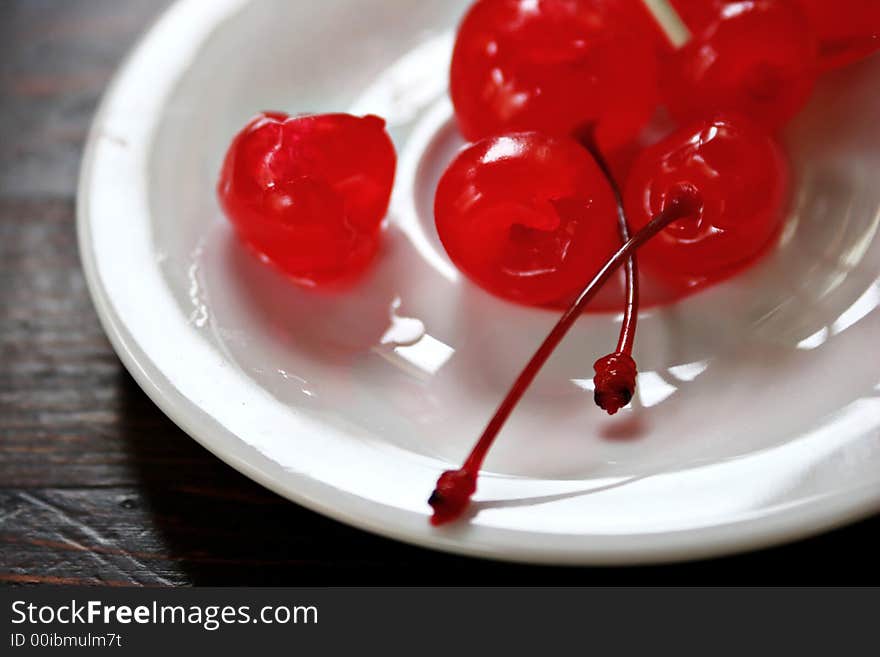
558, 190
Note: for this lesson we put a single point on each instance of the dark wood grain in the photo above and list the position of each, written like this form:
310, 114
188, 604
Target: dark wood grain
96, 485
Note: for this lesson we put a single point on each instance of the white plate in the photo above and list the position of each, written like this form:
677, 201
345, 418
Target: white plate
758, 414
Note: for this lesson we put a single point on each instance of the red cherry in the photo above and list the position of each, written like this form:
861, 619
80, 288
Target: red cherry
848, 30
554, 66
309, 192
758, 59
742, 178
526, 216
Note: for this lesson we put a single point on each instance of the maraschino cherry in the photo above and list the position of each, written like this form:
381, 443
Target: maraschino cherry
742, 177
758, 59
526, 216
309, 192
848, 30
553, 66
712, 196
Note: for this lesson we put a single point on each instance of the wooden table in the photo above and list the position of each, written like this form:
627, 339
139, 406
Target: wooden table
97, 486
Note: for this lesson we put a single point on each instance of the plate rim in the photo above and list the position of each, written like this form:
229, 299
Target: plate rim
776, 526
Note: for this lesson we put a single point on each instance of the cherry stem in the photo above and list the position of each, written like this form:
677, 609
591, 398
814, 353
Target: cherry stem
631, 270
678, 209
455, 487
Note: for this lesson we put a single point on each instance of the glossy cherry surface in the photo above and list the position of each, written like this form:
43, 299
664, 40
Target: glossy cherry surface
848, 30
741, 177
526, 216
759, 59
699, 14
554, 66
310, 192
